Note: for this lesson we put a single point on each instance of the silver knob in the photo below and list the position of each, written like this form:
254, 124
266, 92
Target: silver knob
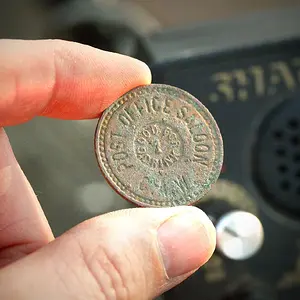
240, 235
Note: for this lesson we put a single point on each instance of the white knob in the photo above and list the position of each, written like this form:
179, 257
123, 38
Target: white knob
240, 235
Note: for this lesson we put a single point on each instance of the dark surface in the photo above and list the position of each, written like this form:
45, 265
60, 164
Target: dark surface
240, 98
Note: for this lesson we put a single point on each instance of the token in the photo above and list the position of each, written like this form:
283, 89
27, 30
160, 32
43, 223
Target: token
159, 146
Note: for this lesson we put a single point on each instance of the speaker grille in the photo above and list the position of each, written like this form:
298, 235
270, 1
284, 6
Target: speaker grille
277, 156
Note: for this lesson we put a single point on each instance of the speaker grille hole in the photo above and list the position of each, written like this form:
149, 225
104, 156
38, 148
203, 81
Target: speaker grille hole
293, 124
296, 157
295, 140
278, 134
280, 152
282, 168
285, 185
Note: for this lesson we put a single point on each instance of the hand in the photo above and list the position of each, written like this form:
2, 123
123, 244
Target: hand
128, 254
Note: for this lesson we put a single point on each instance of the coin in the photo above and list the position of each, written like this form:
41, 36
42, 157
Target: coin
159, 146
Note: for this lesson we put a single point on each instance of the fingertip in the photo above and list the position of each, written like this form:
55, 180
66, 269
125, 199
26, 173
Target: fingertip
63, 79
123, 254
187, 240
89, 80
145, 72
128, 73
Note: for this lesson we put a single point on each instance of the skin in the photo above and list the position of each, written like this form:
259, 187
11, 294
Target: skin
128, 254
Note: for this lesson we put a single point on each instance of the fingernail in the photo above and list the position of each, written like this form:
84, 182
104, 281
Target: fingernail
186, 240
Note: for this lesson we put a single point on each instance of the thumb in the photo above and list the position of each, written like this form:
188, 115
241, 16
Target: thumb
129, 254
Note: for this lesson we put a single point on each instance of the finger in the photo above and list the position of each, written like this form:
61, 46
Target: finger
23, 226
130, 254
56, 79
62, 79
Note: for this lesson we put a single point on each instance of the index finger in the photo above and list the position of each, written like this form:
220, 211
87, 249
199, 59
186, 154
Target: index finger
62, 79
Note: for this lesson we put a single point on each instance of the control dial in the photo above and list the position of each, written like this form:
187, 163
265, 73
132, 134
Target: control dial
240, 235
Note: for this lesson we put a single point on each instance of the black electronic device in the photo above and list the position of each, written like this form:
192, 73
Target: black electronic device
250, 82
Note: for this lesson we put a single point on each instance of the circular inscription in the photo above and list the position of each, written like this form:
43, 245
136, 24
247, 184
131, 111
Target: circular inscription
159, 146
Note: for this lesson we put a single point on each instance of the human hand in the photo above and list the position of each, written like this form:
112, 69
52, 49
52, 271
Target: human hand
127, 254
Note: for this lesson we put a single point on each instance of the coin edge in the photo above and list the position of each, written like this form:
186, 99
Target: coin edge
120, 188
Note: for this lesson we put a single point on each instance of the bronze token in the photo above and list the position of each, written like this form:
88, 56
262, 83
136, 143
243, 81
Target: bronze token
159, 146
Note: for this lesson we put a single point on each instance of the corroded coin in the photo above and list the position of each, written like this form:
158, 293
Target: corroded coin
159, 146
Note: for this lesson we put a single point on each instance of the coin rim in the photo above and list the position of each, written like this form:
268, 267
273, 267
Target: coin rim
118, 186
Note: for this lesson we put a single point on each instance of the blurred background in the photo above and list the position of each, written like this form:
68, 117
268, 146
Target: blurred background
186, 43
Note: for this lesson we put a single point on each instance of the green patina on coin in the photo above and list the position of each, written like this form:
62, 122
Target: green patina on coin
159, 146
